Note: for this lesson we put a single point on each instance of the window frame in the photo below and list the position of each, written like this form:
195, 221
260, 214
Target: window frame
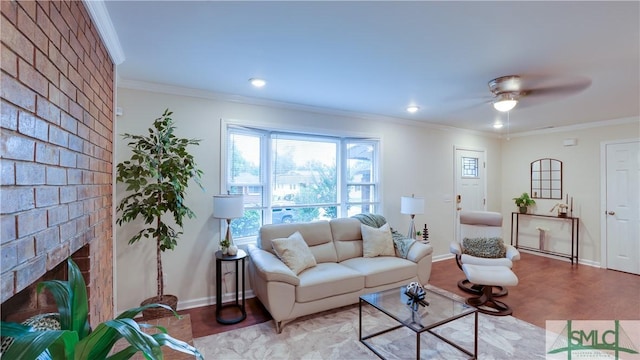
266, 137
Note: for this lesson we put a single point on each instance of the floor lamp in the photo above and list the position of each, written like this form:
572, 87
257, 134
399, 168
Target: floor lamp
411, 205
228, 207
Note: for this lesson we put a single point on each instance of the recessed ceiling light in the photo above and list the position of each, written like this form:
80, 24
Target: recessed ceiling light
497, 125
413, 108
257, 82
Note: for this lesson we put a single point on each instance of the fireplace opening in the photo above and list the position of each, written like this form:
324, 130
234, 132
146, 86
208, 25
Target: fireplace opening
28, 302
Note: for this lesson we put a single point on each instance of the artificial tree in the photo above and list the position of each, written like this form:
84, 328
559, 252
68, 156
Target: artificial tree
157, 176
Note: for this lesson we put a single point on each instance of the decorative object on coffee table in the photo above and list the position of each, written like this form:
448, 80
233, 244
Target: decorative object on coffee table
416, 295
411, 205
228, 207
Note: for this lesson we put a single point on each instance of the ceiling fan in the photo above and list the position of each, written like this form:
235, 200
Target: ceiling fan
509, 90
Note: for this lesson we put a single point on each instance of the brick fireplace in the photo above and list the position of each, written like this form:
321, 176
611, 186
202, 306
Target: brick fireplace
28, 302
56, 146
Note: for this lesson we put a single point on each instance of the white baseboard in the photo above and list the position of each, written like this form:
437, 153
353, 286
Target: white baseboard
443, 257
211, 300
580, 261
206, 301
550, 256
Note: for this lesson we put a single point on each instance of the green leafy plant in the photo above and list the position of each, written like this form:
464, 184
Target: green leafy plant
523, 202
75, 340
157, 176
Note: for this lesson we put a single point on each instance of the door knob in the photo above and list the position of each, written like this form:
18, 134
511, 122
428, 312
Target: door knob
611, 213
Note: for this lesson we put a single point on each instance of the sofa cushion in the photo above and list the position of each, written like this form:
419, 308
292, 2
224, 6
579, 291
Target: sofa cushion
294, 252
377, 241
347, 238
326, 280
382, 270
316, 234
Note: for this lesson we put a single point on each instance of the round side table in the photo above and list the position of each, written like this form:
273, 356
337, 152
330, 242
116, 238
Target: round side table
237, 258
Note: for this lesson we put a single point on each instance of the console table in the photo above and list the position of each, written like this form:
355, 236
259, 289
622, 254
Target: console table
575, 235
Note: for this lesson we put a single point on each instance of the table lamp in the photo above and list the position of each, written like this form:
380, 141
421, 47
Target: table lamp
228, 207
412, 205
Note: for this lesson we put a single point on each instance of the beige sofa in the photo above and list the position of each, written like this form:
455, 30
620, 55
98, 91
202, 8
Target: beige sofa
341, 275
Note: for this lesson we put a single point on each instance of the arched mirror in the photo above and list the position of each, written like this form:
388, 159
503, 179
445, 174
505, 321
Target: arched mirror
546, 179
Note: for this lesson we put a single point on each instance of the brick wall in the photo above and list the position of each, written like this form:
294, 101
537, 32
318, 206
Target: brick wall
56, 147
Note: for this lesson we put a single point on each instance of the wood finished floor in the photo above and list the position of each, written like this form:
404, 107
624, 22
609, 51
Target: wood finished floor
548, 289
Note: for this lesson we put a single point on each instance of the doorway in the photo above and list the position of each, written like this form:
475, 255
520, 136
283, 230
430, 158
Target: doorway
469, 182
470, 179
621, 205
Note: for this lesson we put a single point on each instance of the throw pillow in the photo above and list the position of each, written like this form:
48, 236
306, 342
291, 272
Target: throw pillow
377, 242
484, 247
294, 252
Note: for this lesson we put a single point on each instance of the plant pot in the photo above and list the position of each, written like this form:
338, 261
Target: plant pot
523, 209
155, 313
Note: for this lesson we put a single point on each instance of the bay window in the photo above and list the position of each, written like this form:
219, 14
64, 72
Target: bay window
296, 177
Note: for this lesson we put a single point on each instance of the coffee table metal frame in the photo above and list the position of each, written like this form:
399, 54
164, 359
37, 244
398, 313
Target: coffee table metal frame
431, 297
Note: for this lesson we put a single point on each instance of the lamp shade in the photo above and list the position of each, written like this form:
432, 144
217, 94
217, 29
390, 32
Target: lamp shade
228, 206
411, 205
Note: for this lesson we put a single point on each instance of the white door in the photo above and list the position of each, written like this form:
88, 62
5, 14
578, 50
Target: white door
622, 206
470, 179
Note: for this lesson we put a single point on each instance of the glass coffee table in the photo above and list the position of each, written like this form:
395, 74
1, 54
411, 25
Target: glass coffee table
441, 310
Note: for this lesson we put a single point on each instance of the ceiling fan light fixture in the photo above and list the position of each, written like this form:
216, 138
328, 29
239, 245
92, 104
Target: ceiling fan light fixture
413, 109
257, 82
505, 102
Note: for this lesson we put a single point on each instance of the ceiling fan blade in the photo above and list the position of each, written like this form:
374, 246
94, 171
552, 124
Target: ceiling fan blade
462, 106
550, 90
462, 102
566, 89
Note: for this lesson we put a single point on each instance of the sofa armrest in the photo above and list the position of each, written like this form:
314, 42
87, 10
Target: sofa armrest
418, 251
270, 268
455, 248
512, 253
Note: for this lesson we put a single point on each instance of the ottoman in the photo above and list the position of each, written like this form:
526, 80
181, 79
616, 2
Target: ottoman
490, 276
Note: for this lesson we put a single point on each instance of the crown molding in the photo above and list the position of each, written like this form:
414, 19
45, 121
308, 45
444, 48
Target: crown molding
584, 126
100, 16
182, 91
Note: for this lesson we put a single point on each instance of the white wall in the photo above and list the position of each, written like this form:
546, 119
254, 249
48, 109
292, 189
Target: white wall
581, 180
415, 159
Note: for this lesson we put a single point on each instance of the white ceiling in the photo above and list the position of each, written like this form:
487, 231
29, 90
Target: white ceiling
376, 57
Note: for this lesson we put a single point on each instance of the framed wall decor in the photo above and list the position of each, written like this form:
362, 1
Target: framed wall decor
546, 179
